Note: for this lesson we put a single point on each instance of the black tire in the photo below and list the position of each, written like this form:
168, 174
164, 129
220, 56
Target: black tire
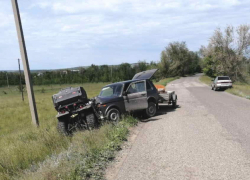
212, 88
91, 121
174, 103
151, 110
215, 89
62, 127
113, 115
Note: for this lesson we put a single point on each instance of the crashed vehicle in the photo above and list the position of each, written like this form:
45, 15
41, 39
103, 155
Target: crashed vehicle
76, 111
132, 95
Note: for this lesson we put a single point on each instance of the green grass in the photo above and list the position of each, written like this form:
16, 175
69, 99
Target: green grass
23, 145
165, 81
88, 155
206, 79
238, 89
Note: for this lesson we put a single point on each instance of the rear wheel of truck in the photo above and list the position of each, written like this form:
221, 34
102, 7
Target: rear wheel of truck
151, 110
113, 115
62, 127
91, 121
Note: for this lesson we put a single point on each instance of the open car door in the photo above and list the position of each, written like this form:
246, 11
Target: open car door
136, 97
145, 74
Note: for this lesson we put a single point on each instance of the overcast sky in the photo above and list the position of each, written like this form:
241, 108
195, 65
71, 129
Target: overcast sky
70, 33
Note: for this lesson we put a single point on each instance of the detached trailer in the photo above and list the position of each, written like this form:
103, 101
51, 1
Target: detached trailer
167, 97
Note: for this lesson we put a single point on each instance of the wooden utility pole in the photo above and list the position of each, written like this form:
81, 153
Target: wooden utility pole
7, 80
31, 97
20, 77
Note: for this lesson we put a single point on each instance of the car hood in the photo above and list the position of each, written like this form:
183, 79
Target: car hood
145, 74
105, 100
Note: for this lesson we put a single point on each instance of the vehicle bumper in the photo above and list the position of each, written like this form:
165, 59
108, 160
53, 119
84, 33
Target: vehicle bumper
223, 86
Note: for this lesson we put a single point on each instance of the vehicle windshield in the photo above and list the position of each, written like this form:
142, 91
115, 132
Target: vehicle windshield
112, 90
224, 78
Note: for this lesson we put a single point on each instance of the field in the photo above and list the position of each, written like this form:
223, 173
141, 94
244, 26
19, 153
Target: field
27, 152
22, 145
239, 89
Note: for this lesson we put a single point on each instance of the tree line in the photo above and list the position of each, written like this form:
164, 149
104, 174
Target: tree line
227, 53
176, 60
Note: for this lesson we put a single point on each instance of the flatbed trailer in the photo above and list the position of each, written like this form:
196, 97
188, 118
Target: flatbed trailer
168, 97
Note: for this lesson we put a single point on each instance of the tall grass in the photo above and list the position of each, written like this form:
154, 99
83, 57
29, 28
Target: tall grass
88, 155
23, 145
206, 79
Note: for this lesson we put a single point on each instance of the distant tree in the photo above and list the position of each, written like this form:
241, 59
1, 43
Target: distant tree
227, 52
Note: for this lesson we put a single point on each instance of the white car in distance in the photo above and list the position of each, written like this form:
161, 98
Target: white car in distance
221, 82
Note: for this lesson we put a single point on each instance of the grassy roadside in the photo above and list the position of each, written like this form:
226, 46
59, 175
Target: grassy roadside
22, 145
87, 156
165, 81
239, 89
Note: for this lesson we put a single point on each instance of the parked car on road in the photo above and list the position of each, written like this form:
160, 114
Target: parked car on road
221, 82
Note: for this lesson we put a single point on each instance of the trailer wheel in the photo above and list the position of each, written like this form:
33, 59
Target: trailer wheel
174, 103
151, 110
91, 121
62, 127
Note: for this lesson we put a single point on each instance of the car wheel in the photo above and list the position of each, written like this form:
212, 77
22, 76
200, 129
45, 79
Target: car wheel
113, 115
212, 87
91, 121
151, 110
62, 127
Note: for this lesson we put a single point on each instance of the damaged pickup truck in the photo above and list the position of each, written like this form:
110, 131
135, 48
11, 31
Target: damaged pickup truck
75, 110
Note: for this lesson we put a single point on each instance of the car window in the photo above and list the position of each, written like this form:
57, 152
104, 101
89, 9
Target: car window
224, 78
136, 87
112, 90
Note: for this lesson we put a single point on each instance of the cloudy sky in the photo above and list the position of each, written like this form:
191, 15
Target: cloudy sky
70, 33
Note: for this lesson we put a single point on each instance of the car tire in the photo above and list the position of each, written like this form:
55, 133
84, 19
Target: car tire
62, 127
151, 110
91, 121
212, 88
113, 115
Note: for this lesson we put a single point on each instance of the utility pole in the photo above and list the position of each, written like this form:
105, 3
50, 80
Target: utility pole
7, 80
26, 68
20, 77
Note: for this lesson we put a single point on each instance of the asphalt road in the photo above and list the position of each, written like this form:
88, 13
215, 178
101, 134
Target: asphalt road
206, 137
